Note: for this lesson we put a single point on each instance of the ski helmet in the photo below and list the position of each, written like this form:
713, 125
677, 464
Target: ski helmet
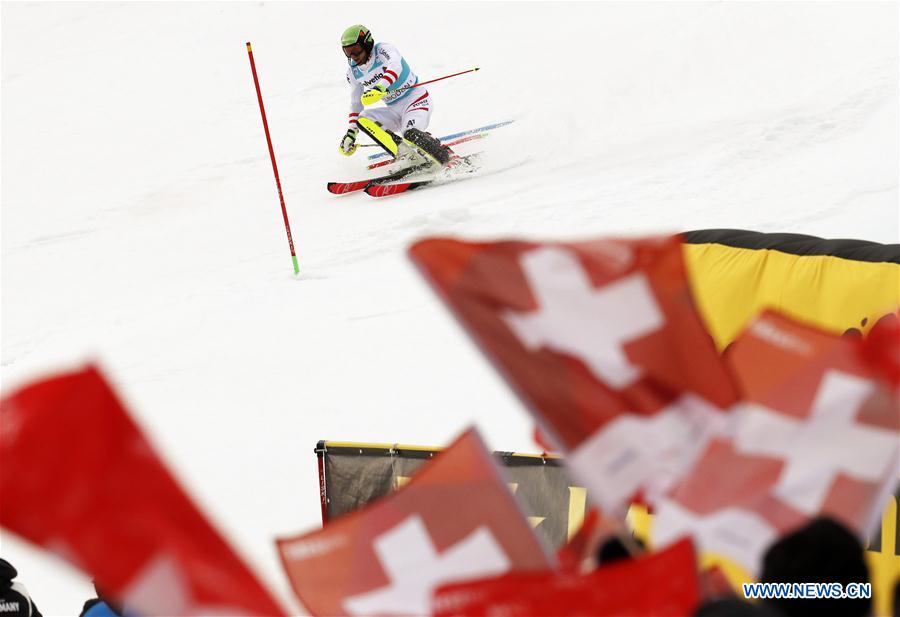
358, 33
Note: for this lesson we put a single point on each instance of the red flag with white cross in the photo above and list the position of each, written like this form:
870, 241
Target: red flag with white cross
79, 478
602, 342
456, 519
817, 434
652, 585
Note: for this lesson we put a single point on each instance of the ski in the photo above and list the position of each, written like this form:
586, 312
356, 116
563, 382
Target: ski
341, 188
457, 168
448, 144
385, 190
445, 138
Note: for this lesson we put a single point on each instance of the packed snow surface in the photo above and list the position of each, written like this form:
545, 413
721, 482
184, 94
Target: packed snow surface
141, 226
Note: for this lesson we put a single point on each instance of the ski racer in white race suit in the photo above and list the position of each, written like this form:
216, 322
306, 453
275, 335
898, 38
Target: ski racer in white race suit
378, 72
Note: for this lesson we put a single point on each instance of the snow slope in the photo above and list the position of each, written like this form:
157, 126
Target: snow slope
141, 227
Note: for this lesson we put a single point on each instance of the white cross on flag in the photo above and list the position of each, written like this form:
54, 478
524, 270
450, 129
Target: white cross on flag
602, 342
455, 520
816, 434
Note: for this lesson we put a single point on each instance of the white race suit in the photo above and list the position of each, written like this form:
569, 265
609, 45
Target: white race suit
409, 108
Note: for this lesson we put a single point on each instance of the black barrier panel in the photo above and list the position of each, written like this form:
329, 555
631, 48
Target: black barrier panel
354, 475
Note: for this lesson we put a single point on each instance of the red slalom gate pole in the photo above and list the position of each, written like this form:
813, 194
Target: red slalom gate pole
262, 110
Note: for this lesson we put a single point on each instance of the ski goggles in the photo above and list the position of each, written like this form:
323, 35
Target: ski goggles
353, 50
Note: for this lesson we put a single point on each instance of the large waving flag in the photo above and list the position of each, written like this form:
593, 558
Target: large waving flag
455, 519
660, 584
602, 342
817, 434
78, 478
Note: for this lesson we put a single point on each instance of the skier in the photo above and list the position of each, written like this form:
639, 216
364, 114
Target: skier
378, 72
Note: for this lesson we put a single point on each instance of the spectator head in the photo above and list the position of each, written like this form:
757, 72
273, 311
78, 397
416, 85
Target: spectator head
823, 551
7, 574
732, 607
614, 549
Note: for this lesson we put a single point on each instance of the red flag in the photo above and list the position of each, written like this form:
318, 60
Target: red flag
655, 585
580, 546
816, 435
80, 479
881, 348
455, 519
602, 342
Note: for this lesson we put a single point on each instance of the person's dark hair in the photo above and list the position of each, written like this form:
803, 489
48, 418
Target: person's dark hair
7, 573
824, 551
733, 607
613, 549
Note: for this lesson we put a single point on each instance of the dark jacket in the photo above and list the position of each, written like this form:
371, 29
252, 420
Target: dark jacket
14, 598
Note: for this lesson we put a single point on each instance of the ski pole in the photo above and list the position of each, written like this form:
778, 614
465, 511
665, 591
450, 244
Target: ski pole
431, 81
262, 111
422, 83
444, 138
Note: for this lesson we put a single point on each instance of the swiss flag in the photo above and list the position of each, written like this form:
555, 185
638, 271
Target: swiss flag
654, 585
79, 478
816, 435
455, 519
602, 342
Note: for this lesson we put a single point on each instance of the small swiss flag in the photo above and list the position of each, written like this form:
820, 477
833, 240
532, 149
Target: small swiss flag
455, 519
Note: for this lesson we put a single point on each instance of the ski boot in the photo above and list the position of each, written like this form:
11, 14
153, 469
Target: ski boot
429, 144
404, 151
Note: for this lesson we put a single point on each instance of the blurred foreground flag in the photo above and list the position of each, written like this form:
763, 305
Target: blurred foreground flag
455, 519
881, 348
78, 478
602, 342
654, 585
817, 434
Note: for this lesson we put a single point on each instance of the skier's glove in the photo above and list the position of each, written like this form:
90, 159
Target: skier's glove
348, 143
374, 95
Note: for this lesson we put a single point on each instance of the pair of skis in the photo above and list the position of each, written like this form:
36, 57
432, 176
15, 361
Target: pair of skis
378, 187
417, 175
402, 151
394, 184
